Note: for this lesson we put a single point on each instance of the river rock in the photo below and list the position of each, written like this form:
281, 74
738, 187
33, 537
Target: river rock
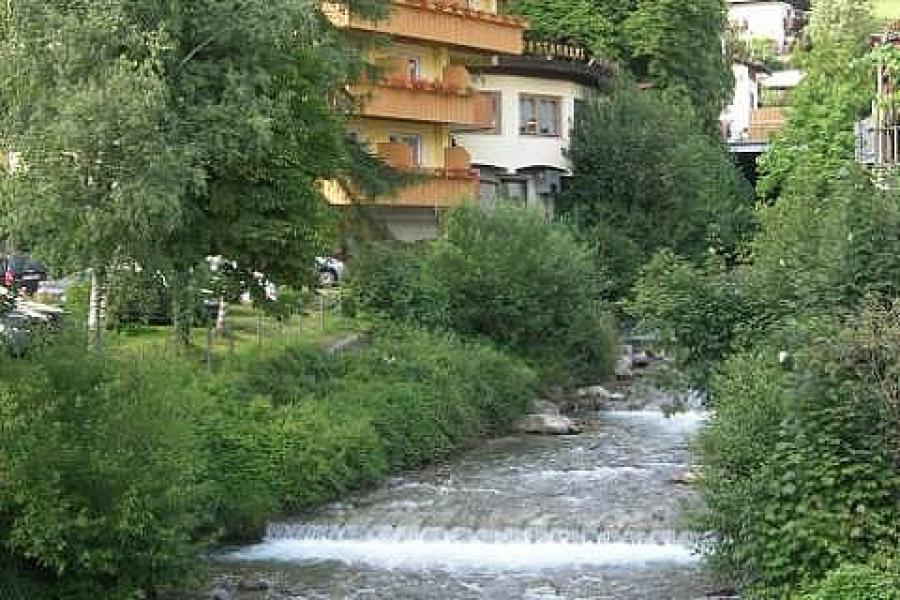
542, 424
222, 593
641, 359
545, 407
686, 478
254, 583
624, 368
599, 392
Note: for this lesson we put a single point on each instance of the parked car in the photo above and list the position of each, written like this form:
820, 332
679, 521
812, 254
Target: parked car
331, 270
19, 271
56, 289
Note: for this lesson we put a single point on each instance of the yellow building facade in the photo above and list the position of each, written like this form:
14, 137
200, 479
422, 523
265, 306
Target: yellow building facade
423, 94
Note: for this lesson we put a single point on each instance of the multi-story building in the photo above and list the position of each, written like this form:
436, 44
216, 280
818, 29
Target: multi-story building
764, 32
773, 22
534, 101
424, 94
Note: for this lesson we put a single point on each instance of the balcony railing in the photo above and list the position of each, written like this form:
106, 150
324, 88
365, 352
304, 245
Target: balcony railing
447, 22
764, 123
549, 49
448, 101
451, 185
437, 192
877, 145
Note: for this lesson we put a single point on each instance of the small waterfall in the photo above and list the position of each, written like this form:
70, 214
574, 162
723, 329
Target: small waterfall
467, 549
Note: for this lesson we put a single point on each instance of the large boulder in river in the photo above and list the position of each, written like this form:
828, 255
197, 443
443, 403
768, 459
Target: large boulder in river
545, 407
542, 424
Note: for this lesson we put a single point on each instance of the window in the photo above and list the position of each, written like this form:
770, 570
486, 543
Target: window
413, 68
415, 144
515, 189
494, 108
539, 115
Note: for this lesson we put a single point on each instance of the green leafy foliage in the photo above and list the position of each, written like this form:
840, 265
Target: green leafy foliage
506, 275
800, 476
674, 45
858, 581
818, 140
682, 191
115, 472
103, 470
693, 310
318, 426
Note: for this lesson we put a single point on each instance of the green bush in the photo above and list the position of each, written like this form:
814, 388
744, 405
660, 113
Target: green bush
103, 470
507, 275
799, 471
342, 422
858, 581
693, 310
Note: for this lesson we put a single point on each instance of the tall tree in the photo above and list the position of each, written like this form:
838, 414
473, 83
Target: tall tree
169, 131
835, 93
85, 108
673, 44
646, 178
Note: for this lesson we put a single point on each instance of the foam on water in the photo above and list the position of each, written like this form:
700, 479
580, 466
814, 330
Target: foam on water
686, 422
472, 555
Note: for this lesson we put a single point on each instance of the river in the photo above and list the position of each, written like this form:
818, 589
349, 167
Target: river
590, 516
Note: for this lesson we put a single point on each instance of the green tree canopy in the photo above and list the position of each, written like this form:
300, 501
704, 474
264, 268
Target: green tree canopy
676, 45
645, 178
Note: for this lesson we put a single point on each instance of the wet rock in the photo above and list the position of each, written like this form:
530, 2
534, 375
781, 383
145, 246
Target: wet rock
624, 368
686, 478
542, 424
641, 359
598, 392
545, 407
223, 593
254, 583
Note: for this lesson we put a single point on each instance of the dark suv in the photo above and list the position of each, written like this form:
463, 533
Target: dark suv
21, 272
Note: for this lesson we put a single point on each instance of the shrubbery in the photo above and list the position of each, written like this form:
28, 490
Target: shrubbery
113, 473
103, 470
859, 581
800, 472
507, 275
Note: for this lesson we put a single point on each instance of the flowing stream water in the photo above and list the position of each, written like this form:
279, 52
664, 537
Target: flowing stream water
590, 516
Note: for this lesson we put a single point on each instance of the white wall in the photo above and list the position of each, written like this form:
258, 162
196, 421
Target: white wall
509, 150
746, 98
763, 20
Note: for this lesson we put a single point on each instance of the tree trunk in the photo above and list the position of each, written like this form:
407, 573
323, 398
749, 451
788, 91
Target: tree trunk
182, 307
97, 308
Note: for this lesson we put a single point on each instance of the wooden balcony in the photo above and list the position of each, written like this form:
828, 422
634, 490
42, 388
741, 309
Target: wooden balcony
449, 101
444, 22
451, 185
764, 123
439, 191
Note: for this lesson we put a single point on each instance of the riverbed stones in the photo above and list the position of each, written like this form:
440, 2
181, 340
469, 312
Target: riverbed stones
254, 583
600, 393
624, 368
545, 407
545, 424
686, 478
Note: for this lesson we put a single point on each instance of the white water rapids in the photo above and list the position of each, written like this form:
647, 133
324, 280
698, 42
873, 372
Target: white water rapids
590, 516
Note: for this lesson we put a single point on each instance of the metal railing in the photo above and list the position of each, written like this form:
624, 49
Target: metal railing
877, 145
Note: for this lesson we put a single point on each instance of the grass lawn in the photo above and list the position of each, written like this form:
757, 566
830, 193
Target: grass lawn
886, 9
248, 332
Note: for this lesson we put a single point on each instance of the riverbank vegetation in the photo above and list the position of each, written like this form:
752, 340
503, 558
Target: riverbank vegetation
797, 344
116, 472
508, 276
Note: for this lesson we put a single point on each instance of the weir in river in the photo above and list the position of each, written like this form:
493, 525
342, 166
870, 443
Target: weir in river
598, 515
